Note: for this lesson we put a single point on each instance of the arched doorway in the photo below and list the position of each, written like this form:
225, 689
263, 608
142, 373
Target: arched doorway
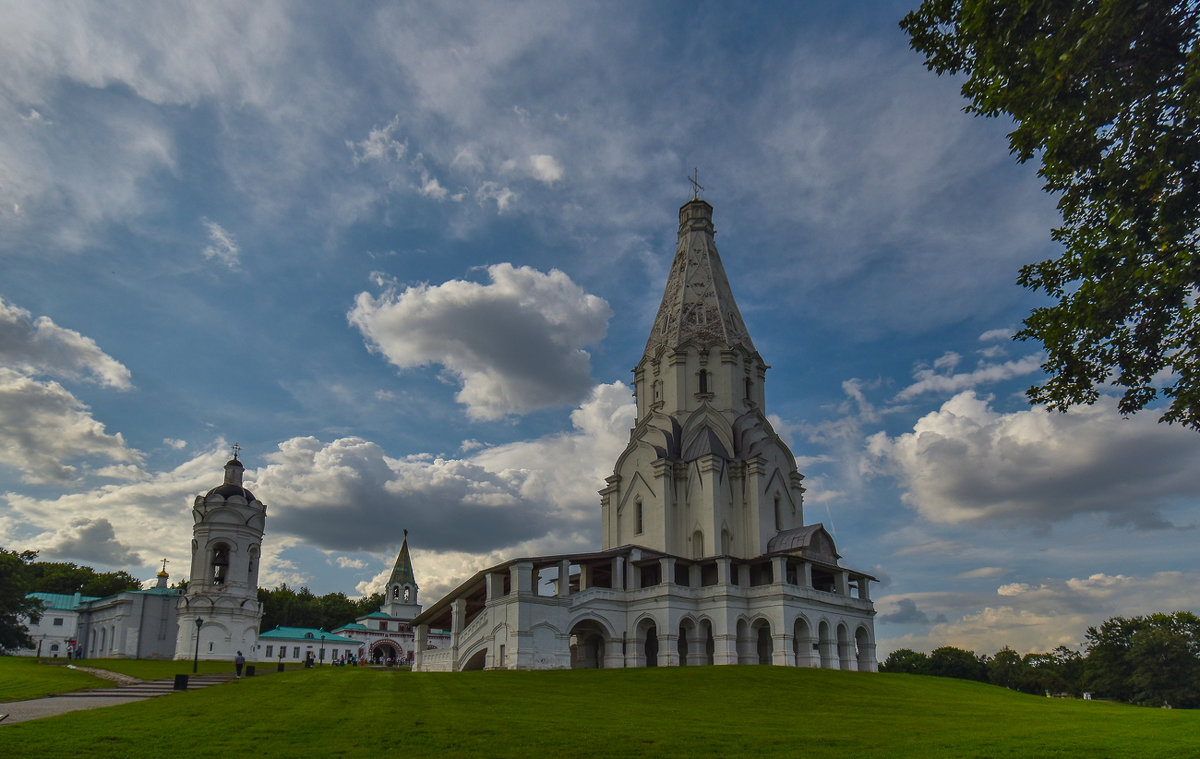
651, 646
826, 646
762, 641
588, 642
865, 654
710, 645
803, 643
384, 652
845, 648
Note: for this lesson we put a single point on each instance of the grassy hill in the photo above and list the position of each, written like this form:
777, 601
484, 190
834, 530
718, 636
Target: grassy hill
702, 711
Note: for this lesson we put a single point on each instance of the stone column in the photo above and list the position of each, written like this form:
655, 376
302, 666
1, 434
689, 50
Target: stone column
805, 577
666, 568
618, 573
564, 578
668, 650
779, 569
724, 571
495, 586
842, 583
522, 577
781, 650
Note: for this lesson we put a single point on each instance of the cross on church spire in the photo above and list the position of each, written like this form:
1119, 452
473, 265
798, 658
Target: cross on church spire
236, 449
164, 565
696, 186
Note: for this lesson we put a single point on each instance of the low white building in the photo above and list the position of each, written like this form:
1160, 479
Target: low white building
293, 644
56, 634
705, 556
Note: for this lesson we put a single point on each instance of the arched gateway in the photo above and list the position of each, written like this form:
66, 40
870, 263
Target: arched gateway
705, 556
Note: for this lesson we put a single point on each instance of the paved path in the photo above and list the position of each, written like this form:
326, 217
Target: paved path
130, 690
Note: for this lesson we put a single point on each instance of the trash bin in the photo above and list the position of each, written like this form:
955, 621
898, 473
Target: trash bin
181, 682
249, 670
280, 667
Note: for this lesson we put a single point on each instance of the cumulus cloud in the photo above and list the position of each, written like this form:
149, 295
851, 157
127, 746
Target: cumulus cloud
965, 462
149, 517
43, 427
907, 613
1041, 615
87, 540
545, 168
518, 499
515, 344
935, 380
39, 346
222, 247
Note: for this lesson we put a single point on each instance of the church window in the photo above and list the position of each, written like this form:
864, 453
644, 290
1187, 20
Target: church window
407, 592
778, 515
295, 652
308, 635
703, 380
383, 625
637, 514
269, 648
697, 544
220, 563
210, 646
395, 591
749, 388
58, 621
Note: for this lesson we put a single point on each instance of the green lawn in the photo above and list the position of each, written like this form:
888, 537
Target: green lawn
23, 677
701, 711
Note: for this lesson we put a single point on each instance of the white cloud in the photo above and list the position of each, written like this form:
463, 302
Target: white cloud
515, 344
929, 380
43, 427
1038, 616
380, 145
86, 540
545, 168
345, 562
222, 246
503, 196
966, 462
146, 518
996, 334
42, 347
982, 572
178, 445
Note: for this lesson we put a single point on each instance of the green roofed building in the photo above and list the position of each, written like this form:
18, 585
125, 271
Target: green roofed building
292, 644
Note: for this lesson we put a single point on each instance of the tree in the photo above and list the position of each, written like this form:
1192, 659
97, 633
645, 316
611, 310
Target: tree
949, 661
69, 577
1006, 669
1150, 660
1106, 94
16, 607
905, 661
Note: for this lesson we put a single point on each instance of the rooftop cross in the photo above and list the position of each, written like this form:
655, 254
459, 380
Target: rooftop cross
236, 448
164, 565
696, 186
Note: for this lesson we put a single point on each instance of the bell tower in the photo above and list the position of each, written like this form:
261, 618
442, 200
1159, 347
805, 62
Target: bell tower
219, 614
704, 473
401, 599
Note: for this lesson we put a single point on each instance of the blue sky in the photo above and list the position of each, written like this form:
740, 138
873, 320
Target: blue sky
406, 257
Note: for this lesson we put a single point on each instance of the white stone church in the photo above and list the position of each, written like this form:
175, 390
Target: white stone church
705, 555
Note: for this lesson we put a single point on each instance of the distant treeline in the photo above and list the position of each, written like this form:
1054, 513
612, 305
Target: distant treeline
1152, 660
285, 607
69, 577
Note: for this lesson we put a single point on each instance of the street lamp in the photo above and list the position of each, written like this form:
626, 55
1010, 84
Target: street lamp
322, 650
196, 661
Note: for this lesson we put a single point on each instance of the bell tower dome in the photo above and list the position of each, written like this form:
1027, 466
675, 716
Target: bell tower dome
219, 614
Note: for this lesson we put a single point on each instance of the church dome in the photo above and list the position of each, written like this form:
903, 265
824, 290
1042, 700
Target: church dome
228, 490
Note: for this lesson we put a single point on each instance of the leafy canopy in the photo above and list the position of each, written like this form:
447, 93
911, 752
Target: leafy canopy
1106, 93
16, 582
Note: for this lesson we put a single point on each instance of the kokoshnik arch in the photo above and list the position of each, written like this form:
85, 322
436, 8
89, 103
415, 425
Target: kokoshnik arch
705, 556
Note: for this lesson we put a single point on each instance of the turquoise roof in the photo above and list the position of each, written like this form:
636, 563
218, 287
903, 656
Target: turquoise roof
61, 601
160, 591
303, 633
376, 615
351, 626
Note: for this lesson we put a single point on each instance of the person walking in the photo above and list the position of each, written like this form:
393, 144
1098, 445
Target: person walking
239, 661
